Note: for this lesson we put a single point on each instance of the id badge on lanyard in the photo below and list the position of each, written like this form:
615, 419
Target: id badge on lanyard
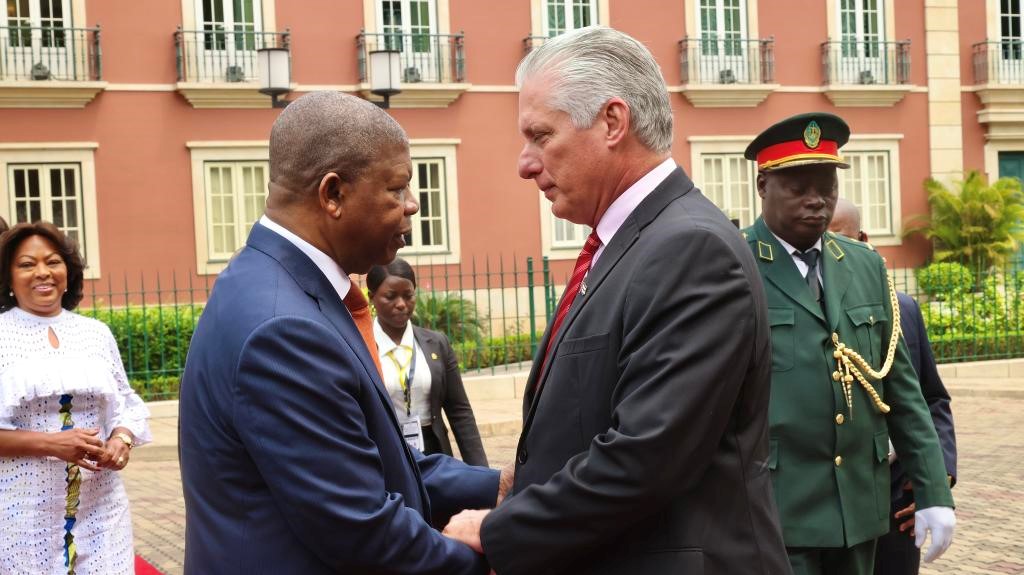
412, 428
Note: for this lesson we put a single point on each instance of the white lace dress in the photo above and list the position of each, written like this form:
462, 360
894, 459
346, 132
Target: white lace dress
84, 377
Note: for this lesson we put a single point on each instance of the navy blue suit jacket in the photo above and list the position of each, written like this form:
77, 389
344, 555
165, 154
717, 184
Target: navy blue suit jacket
291, 458
934, 391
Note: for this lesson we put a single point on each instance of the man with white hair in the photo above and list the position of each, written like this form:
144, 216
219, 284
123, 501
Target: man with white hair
645, 443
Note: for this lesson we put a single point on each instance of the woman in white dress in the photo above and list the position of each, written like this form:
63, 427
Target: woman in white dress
68, 418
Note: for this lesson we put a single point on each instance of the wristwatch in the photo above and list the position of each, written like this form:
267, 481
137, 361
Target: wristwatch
127, 439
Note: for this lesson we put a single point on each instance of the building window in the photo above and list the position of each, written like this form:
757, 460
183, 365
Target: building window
729, 182
565, 234
867, 185
1010, 34
435, 227
410, 26
723, 34
562, 16
236, 193
429, 225
53, 182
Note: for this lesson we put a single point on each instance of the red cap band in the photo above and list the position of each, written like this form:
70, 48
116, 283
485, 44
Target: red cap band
796, 150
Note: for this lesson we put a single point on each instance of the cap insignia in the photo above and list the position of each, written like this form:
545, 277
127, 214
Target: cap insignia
812, 135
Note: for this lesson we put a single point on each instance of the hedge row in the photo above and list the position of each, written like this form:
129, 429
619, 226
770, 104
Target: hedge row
976, 347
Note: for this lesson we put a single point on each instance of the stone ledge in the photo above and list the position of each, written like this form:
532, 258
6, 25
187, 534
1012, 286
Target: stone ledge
726, 95
223, 95
48, 94
420, 95
867, 96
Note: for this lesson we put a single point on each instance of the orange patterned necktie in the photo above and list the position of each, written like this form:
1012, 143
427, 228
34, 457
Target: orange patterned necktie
357, 305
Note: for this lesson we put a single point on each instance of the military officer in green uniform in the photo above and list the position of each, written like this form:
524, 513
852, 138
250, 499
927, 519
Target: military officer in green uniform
842, 382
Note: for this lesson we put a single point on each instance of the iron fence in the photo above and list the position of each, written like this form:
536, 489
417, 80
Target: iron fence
998, 62
727, 60
494, 311
41, 53
865, 62
426, 58
217, 55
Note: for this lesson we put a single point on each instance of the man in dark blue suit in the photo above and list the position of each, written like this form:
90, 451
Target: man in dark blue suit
291, 457
896, 553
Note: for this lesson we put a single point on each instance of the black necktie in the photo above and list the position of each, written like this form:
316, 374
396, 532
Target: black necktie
810, 258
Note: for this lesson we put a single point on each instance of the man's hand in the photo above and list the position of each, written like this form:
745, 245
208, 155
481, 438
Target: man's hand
940, 521
508, 475
465, 528
907, 511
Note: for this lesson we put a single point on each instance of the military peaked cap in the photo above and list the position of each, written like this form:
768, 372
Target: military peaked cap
800, 140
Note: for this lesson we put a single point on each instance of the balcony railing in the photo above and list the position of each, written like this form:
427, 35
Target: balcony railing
218, 56
865, 62
727, 61
50, 53
999, 62
427, 58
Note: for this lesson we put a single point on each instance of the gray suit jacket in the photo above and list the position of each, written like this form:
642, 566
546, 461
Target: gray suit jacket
645, 445
448, 393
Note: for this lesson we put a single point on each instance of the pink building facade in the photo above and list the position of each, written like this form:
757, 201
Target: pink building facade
138, 126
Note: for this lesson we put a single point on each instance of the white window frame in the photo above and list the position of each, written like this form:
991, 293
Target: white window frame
714, 50
723, 146
372, 16
887, 30
539, 17
264, 20
202, 153
81, 154
442, 150
239, 197
889, 146
568, 14
550, 248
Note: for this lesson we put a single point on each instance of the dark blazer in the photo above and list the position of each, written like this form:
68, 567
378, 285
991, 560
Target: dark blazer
645, 445
291, 457
447, 392
935, 394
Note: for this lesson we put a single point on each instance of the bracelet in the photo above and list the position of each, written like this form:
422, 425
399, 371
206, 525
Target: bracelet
127, 439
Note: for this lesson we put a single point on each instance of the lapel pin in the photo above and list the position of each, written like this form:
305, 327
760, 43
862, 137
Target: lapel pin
583, 288
433, 356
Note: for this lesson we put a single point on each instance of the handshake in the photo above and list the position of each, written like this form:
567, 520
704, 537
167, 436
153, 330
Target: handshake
465, 526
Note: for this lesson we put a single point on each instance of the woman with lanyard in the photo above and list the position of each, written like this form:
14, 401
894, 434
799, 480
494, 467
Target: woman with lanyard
420, 369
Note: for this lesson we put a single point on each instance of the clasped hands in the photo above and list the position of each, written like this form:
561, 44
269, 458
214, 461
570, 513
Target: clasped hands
84, 448
465, 526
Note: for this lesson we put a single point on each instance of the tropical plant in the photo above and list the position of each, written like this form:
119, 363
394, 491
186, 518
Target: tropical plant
975, 222
941, 280
450, 314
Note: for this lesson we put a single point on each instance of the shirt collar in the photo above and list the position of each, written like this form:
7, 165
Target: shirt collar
624, 205
384, 342
330, 268
790, 249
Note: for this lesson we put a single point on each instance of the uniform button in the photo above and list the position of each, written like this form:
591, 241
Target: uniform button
522, 456
840, 419
839, 460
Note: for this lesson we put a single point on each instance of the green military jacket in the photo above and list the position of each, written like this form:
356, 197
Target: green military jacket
829, 463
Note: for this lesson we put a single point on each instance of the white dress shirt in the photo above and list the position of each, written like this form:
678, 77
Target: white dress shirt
330, 268
799, 261
420, 395
624, 205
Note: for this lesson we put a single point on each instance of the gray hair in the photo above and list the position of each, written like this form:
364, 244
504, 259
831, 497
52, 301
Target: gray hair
325, 132
592, 65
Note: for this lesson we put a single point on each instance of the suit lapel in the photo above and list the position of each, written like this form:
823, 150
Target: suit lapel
777, 267
431, 349
837, 277
312, 281
674, 186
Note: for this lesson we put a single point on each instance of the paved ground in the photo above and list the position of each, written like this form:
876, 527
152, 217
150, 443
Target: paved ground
989, 495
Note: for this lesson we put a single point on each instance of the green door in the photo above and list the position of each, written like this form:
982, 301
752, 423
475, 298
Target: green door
1011, 165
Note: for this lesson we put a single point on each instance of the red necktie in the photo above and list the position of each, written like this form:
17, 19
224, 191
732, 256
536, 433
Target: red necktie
357, 305
578, 273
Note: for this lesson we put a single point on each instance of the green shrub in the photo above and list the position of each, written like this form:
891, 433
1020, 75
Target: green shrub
449, 314
157, 388
153, 342
940, 280
978, 347
494, 351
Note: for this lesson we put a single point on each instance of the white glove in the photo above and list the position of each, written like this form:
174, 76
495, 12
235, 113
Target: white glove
940, 521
